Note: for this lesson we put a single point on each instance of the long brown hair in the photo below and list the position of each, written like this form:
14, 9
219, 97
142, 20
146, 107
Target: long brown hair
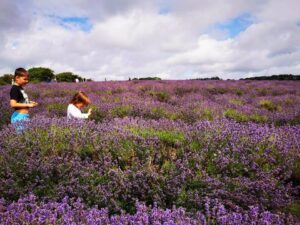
80, 97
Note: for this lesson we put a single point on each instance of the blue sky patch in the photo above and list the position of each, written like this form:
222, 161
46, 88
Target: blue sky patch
81, 23
164, 10
236, 25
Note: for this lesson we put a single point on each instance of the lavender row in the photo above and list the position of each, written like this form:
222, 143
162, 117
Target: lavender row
29, 210
115, 163
243, 101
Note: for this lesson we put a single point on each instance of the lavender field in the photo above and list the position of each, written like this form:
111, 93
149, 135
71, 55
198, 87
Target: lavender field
154, 152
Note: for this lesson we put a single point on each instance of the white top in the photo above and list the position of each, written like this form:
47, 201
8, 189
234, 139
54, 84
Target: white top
74, 112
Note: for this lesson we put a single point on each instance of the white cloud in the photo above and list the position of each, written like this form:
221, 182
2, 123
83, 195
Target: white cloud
279, 11
132, 38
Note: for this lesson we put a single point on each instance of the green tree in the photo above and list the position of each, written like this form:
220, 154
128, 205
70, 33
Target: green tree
40, 74
6, 79
67, 77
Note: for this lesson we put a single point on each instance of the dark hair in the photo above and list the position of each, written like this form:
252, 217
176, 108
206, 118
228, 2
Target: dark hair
20, 72
80, 97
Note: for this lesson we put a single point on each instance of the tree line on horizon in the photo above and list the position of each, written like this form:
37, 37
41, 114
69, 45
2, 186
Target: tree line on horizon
145, 78
42, 74
272, 77
275, 77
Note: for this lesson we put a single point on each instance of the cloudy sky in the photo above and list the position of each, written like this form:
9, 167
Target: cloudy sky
173, 39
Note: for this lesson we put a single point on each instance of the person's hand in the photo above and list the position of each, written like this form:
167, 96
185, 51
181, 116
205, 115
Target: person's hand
32, 104
89, 112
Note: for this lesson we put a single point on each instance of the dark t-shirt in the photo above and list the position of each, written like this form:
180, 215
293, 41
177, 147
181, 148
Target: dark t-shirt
17, 93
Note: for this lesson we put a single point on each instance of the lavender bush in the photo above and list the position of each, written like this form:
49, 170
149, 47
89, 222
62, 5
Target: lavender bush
70, 211
272, 102
220, 152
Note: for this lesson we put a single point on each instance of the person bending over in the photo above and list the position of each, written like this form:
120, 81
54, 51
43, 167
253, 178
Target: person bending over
78, 102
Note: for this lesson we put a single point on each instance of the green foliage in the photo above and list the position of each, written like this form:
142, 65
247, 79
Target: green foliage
181, 91
296, 172
189, 116
40, 74
195, 145
117, 90
94, 179
168, 166
5, 112
182, 197
170, 137
294, 209
261, 91
207, 78
241, 117
197, 113
236, 102
5, 118
6, 79
125, 153
295, 120
216, 90
196, 183
108, 92
236, 115
269, 105
145, 88
206, 114
40, 138
239, 92
121, 111
58, 93
157, 113
97, 114
160, 112
236, 169
275, 77
147, 78
59, 109
161, 96
34, 94
67, 77
166, 136
211, 167
258, 118
271, 150
289, 101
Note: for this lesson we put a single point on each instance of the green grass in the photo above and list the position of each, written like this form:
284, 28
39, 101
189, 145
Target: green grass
58, 109
236, 102
122, 111
294, 209
236, 115
161, 96
166, 136
269, 105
